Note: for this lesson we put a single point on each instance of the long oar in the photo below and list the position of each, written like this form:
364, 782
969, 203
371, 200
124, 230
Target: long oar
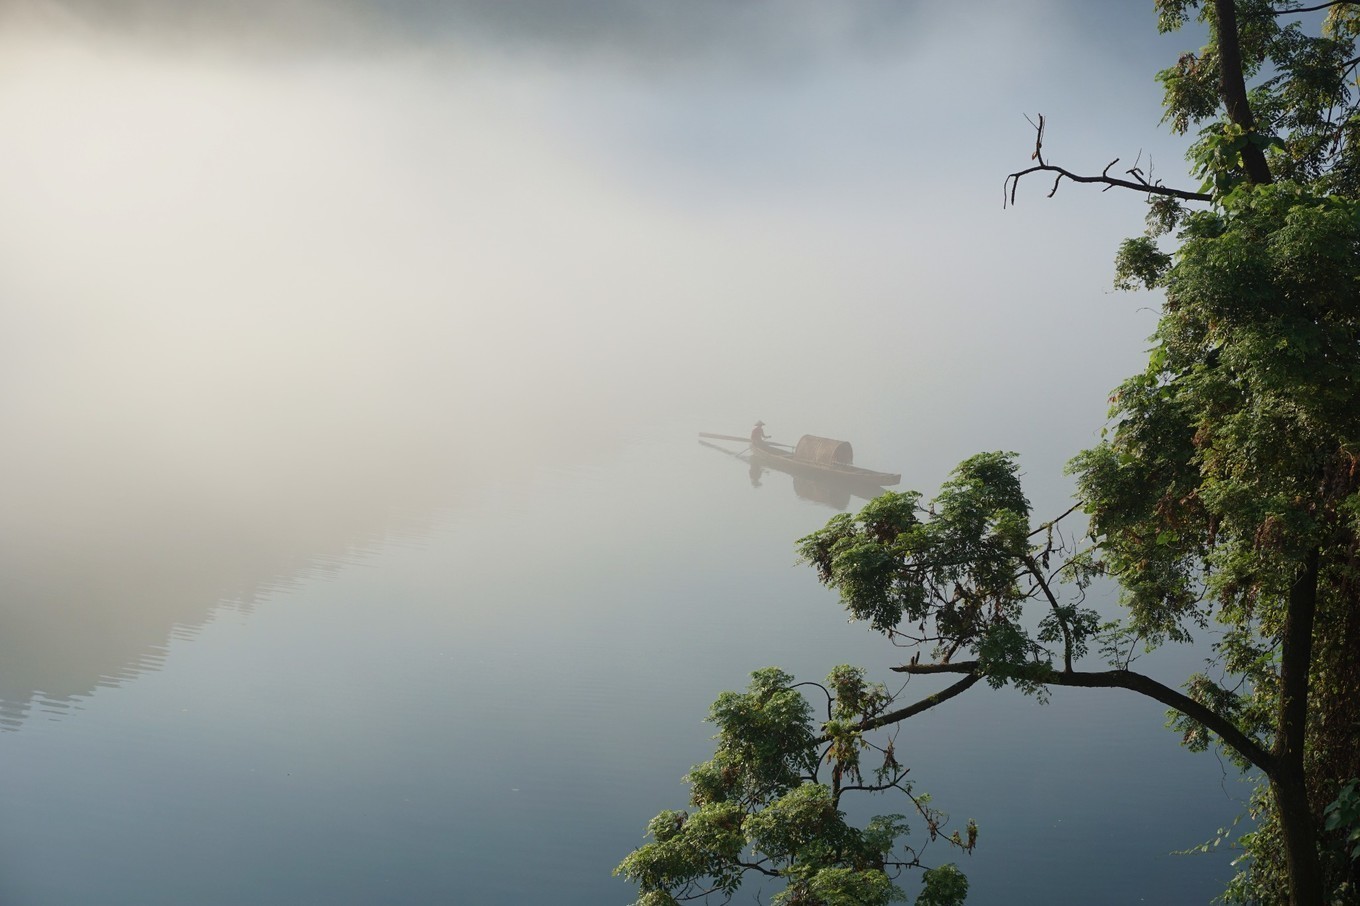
740, 440
743, 456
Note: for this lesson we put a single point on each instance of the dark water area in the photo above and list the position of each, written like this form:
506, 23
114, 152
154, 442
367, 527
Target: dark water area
484, 700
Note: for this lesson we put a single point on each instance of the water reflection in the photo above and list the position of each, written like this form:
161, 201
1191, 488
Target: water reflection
98, 604
109, 552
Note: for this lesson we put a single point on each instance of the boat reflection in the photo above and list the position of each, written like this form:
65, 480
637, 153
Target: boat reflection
835, 492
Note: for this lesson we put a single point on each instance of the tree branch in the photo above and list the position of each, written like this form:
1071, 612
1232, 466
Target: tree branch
1247, 747
921, 669
876, 787
825, 691
924, 704
754, 866
1057, 612
1012, 182
1313, 9
1052, 522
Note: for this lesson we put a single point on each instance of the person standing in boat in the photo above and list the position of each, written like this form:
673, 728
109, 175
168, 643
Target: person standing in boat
758, 435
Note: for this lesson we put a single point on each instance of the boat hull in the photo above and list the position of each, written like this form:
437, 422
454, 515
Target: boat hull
787, 462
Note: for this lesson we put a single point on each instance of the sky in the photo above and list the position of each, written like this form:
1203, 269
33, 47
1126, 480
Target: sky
661, 178
331, 258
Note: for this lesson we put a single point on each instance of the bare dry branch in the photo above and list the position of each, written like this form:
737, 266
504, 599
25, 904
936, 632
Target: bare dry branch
1137, 184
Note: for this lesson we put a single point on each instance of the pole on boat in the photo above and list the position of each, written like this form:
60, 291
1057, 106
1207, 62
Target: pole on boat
740, 440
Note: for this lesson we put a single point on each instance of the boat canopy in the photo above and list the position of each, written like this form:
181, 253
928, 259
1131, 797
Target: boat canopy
824, 450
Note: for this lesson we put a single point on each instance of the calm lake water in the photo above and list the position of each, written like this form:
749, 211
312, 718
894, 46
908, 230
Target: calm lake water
483, 699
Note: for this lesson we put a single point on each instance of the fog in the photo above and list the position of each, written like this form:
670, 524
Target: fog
280, 281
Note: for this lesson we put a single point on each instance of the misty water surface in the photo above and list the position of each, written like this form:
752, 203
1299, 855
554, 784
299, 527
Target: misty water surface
485, 699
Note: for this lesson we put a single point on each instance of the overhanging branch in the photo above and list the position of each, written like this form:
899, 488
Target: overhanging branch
1226, 730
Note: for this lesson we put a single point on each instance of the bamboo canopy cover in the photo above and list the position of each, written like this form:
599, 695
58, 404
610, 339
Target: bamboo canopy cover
824, 450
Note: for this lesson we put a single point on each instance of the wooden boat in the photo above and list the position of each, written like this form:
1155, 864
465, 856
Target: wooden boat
814, 457
789, 461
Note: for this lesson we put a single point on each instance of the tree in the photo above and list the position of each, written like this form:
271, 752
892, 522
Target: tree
1228, 488
1226, 491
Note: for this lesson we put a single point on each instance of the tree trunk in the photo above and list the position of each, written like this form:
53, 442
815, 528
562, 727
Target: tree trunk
1287, 781
1233, 87
1300, 842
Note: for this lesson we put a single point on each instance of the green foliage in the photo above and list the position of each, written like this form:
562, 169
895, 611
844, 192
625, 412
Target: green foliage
1070, 621
1140, 262
944, 886
857, 551
766, 742
1261, 875
1217, 158
759, 806
1343, 816
853, 698
1248, 400
1164, 213
1194, 735
958, 574
841, 887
